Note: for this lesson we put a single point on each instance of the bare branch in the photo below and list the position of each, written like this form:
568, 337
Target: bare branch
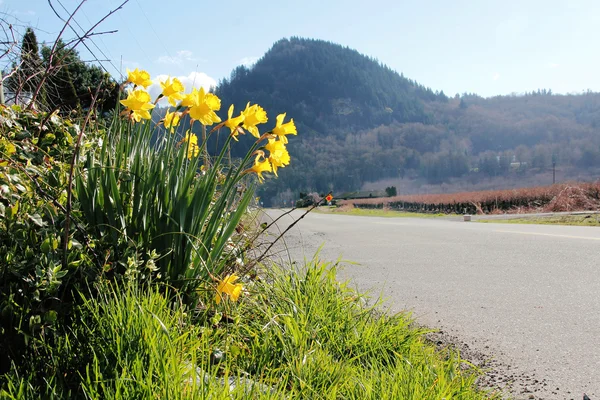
86, 35
12, 43
52, 52
265, 253
71, 171
77, 42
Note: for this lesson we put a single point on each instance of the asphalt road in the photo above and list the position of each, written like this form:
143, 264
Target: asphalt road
527, 296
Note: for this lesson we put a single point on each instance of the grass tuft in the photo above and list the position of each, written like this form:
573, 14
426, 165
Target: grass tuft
363, 212
294, 334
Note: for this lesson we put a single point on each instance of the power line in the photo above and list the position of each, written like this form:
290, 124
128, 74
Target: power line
105, 46
153, 30
91, 40
133, 36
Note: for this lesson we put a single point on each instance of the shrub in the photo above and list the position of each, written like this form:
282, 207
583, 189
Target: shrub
37, 276
148, 204
391, 191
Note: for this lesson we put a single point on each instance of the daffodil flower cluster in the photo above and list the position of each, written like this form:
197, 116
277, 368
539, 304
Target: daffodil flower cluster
228, 287
201, 106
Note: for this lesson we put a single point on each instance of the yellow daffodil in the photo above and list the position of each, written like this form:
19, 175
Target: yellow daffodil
171, 120
172, 90
278, 154
282, 129
202, 106
234, 123
192, 145
229, 287
261, 166
139, 78
254, 115
275, 145
138, 104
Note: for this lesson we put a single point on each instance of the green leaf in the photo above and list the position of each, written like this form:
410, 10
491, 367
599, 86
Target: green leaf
60, 274
48, 139
234, 350
50, 243
50, 316
12, 211
215, 319
45, 246
37, 219
74, 244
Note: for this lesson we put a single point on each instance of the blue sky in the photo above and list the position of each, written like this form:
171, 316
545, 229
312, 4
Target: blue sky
486, 47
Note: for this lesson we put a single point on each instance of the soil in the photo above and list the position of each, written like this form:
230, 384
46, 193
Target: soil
497, 377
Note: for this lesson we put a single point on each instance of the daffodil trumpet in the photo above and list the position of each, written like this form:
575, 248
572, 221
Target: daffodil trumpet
228, 287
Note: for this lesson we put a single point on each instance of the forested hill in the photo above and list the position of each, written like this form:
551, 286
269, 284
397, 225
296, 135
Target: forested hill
327, 88
360, 121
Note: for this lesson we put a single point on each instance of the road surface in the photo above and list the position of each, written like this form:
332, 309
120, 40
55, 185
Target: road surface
526, 296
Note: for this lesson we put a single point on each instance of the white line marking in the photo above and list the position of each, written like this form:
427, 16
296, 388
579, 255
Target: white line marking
551, 234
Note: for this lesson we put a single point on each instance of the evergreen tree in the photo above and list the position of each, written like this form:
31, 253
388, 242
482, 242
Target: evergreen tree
73, 82
60, 86
31, 61
30, 68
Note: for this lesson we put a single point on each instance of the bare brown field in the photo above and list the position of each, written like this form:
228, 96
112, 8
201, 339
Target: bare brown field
573, 196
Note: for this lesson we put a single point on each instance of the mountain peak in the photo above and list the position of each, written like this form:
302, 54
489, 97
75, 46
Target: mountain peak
327, 87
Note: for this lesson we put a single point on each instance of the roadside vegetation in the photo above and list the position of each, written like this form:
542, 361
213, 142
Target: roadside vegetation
129, 266
556, 198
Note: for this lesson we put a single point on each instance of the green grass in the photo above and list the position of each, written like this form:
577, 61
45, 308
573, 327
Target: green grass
293, 334
376, 213
577, 220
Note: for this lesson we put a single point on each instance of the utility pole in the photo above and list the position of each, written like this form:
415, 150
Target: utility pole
1, 89
554, 158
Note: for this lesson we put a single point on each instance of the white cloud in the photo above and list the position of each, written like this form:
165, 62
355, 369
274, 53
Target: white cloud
552, 65
193, 80
248, 61
180, 57
197, 80
496, 76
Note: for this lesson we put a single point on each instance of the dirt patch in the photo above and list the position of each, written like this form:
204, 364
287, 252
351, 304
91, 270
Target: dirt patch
498, 377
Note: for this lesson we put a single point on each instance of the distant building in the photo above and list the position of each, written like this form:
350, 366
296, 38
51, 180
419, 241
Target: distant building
518, 164
23, 99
